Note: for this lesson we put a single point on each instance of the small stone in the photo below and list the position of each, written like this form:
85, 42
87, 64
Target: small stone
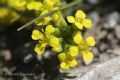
111, 20
7, 54
115, 52
27, 58
103, 47
47, 54
39, 57
117, 31
112, 39
102, 34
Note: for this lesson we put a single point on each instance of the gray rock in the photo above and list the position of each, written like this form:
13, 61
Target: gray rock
117, 31
27, 58
111, 20
109, 70
103, 47
111, 37
115, 52
103, 34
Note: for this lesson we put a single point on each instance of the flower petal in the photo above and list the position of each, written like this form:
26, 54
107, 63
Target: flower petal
34, 5
79, 25
78, 38
73, 51
73, 63
54, 41
49, 30
80, 14
71, 19
87, 56
57, 49
39, 48
87, 23
64, 66
62, 57
51, 2
90, 41
56, 16
36, 35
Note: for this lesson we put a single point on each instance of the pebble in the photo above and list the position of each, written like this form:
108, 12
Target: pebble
112, 20
117, 31
115, 52
103, 47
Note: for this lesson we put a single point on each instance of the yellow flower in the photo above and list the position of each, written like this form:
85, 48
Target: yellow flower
39, 48
64, 66
80, 20
73, 51
83, 46
67, 61
77, 38
34, 5
47, 37
48, 5
36, 35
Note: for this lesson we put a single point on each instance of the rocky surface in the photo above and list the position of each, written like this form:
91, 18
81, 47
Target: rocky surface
108, 70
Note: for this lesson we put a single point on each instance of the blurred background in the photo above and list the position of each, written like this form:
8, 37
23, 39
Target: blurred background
16, 47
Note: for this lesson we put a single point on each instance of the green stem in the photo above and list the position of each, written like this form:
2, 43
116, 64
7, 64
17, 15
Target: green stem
47, 14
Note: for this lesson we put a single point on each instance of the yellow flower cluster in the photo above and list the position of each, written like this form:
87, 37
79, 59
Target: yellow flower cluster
44, 7
35, 7
3, 12
46, 38
67, 61
66, 40
17, 4
24, 9
10, 14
